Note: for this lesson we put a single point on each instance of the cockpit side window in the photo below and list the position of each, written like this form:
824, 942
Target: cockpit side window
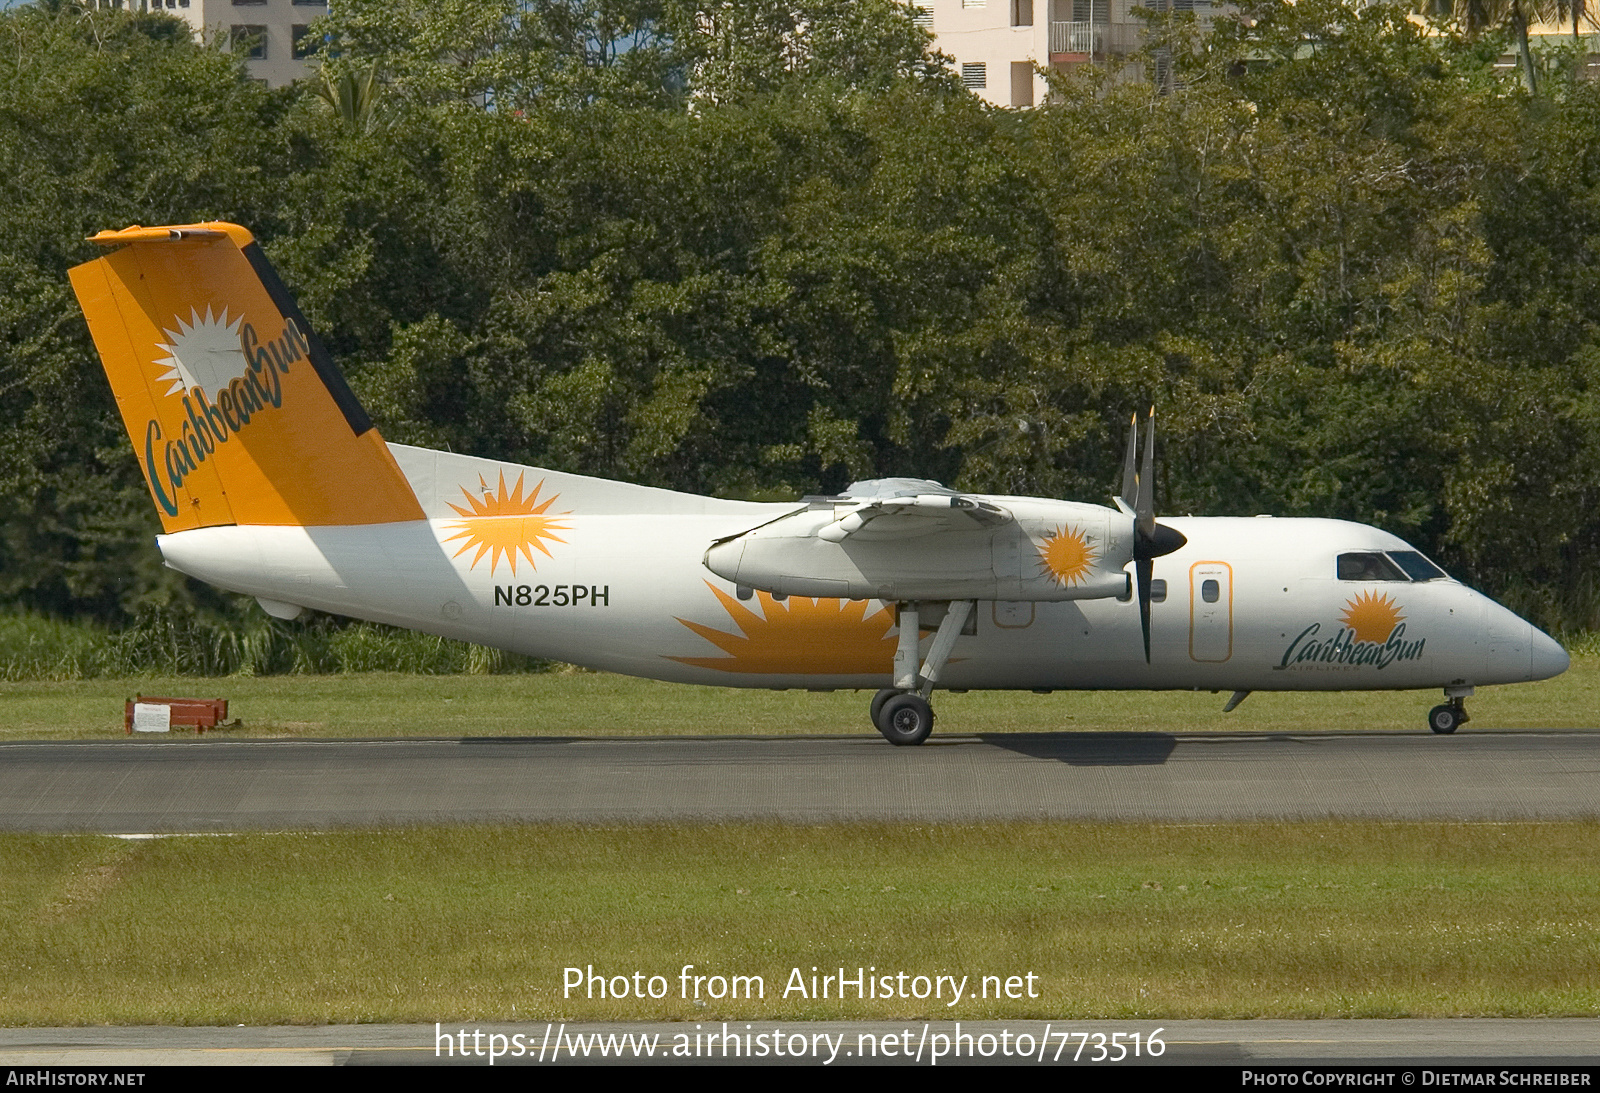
1369, 566
1416, 566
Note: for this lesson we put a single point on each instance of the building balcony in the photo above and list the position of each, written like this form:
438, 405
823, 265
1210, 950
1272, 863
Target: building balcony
1082, 41
1073, 38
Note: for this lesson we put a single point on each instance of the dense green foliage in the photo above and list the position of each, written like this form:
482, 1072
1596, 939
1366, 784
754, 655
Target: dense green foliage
176, 643
768, 248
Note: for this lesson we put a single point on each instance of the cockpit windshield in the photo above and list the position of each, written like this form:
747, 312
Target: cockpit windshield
1394, 565
1416, 566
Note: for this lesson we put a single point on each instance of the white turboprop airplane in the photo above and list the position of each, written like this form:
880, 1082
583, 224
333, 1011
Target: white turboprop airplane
271, 481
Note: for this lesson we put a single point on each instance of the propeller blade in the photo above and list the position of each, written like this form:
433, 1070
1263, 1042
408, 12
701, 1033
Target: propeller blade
1145, 567
1150, 539
1130, 471
1146, 505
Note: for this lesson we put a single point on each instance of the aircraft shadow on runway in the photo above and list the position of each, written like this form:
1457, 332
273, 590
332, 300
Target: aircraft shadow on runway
1089, 749
1079, 749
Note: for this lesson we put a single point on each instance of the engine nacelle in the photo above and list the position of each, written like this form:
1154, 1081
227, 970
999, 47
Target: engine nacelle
1033, 550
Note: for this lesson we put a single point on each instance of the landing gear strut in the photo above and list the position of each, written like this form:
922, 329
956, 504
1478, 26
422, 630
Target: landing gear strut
1453, 714
902, 712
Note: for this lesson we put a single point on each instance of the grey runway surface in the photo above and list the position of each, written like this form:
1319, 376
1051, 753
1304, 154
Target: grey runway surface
1549, 1042
210, 784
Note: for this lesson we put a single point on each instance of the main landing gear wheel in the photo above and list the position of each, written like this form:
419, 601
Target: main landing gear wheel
906, 719
877, 705
1447, 718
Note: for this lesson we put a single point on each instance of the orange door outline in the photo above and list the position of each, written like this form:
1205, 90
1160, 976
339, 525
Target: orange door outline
1216, 570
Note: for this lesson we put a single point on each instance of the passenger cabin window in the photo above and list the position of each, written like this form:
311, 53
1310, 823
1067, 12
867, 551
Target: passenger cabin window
1210, 591
1158, 591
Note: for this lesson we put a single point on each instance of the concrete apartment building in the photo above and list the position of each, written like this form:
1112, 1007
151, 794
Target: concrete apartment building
273, 31
1000, 45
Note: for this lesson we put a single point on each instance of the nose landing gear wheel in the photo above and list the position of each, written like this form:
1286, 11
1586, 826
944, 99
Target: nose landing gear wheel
906, 719
1446, 719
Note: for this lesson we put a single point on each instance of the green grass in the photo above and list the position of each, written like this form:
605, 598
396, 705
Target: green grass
1132, 921
576, 703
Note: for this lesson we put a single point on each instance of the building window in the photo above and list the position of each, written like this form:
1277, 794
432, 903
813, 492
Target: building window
251, 39
1021, 83
309, 3
305, 43
975, 75
1022, 13
249, 3
974, 3
923, 17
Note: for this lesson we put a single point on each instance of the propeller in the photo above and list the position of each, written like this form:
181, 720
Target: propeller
1150, 539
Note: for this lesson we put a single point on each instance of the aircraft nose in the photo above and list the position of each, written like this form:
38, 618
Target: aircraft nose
1546, 658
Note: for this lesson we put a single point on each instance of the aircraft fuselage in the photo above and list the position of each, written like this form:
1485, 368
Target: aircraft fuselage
1246, 604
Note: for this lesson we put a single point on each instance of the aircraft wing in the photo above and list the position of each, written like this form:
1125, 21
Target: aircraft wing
909, 539
912, 516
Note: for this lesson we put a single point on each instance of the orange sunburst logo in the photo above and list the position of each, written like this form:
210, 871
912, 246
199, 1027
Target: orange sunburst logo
503, 525
1372, 617
799, 636
1066, 556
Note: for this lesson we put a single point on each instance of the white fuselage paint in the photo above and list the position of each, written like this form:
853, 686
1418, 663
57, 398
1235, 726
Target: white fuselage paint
619, 589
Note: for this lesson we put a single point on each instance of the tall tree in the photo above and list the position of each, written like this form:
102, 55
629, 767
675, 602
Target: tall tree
1474, 18
106, 119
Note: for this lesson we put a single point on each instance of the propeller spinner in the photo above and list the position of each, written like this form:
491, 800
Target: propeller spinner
1150, 539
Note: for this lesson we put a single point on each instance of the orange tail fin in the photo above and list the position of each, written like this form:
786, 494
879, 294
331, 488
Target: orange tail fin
236, 412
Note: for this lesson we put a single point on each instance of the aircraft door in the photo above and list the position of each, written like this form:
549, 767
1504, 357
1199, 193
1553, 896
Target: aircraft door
1210, 612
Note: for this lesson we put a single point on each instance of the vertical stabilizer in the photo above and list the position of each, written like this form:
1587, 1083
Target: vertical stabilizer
236, 412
